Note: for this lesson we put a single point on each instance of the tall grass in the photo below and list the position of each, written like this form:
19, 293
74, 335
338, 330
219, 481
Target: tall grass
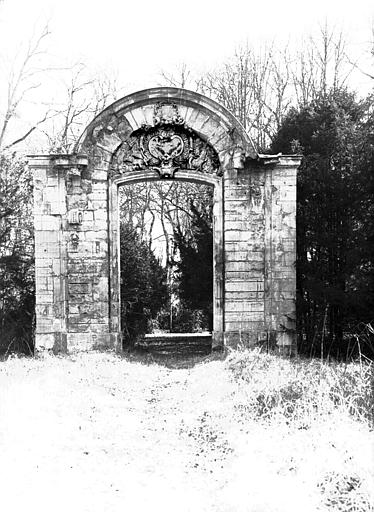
320, 414
305, 389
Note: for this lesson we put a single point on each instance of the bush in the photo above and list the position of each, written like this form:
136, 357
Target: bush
17, 301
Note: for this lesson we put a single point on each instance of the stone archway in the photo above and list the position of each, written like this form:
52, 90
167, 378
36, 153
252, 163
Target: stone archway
176, 134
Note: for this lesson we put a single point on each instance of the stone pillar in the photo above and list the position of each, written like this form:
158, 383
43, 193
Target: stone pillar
244, 256
280, 251
218, 268
260, 252
71, 255
50, 254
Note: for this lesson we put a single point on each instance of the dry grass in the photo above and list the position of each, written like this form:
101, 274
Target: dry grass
249, 433
318, 418
303, 389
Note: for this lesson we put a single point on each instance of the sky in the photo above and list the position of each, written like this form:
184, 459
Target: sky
137, 39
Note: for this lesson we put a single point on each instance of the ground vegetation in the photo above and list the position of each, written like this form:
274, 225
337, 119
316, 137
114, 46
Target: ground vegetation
250, 432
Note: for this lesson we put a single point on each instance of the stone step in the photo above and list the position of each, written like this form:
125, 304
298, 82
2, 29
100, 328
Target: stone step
183, 344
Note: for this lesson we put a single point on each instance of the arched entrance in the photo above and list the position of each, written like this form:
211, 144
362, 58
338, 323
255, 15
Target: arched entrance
171, 134
186, 176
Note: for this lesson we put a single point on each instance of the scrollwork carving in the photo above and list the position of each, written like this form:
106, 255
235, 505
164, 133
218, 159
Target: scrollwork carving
166, 147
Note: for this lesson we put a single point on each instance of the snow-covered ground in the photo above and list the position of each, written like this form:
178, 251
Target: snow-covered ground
97, 432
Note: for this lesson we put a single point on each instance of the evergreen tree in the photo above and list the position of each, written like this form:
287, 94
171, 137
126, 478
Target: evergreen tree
194, 269
16, 256
330, 213
143, 285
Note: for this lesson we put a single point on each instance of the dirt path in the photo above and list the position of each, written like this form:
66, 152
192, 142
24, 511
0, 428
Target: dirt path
101, 433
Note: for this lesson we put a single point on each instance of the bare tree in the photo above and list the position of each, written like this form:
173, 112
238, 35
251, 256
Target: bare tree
23, 78
320, 66
359, 66
178, 79
158, 209
183, 77
85, 96
259, 86
253, 85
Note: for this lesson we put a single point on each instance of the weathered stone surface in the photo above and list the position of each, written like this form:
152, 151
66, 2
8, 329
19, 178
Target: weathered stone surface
176, 344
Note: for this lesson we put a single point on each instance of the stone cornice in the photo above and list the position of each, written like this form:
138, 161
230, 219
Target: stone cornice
279, 160
59, 161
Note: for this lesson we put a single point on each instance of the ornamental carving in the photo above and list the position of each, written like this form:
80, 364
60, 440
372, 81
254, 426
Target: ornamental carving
165, 147
166, 113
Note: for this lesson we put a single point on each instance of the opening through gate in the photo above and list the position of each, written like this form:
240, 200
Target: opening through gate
166, 266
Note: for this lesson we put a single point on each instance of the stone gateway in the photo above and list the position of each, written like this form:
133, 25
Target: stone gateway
175, 134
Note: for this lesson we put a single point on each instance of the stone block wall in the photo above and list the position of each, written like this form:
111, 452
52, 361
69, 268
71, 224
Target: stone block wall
281, 275
72, 251
71, 255
87, 264
260, 252
50, 254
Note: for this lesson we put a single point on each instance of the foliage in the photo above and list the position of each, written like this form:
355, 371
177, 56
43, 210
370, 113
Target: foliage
363, 281
16, 256
143, 285
194, 268
333, 224
162, 215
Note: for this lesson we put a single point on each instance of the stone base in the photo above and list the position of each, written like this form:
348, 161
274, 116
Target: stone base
218, 341
242, 339
284, 343
67, 343
55, 342
176, 344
